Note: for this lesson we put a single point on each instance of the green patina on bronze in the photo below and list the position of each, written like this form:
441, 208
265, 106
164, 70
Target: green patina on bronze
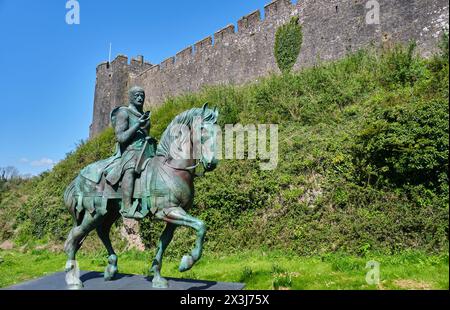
141, 179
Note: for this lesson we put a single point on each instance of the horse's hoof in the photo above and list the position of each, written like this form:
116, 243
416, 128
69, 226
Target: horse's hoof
110, 272
160, 283
75, 286
73, 276
186, 263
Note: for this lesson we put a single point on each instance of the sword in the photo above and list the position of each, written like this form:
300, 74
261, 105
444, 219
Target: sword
138, 168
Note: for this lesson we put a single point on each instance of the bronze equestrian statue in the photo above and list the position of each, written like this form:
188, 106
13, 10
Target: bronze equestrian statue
142, 179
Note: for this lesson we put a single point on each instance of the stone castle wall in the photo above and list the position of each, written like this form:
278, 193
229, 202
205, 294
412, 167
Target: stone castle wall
331, 29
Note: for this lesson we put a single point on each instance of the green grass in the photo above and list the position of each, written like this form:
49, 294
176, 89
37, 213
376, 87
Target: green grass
257, 269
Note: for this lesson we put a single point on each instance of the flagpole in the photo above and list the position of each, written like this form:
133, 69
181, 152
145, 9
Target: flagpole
110, 47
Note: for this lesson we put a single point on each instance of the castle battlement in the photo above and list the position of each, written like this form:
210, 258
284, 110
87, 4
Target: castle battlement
276, 8
202, 45
103, 66
168, 63
249, 22
223, 34
185, 55
331, 29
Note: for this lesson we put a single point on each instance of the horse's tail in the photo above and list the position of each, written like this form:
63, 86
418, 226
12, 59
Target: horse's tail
69, 198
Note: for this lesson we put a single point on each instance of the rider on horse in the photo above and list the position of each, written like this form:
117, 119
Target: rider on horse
164, 185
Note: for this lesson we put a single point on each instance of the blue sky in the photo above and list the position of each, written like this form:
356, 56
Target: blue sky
47, 67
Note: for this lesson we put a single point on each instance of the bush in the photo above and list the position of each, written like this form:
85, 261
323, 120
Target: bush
407, 144
400, 67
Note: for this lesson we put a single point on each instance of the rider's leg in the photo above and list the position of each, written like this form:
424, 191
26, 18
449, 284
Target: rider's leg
127, 191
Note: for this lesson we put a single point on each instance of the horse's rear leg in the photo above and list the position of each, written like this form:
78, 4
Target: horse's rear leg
178, 216
164, 240
73, 243
103, 231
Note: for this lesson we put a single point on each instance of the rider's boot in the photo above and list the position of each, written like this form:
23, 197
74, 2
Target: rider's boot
126, 205
127, 210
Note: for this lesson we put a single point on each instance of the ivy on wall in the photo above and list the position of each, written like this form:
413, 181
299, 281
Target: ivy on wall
288, 41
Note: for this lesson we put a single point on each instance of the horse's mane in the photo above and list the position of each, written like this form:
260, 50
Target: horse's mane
186, 118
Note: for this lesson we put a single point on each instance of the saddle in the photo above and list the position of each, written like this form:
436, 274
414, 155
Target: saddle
93, 191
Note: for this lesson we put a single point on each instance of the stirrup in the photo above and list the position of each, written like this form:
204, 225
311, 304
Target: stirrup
136, 216
132, 213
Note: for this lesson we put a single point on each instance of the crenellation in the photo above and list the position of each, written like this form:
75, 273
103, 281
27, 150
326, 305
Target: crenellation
184, 55
202, 45
223, 34
331, 29
277, 7
249, 21
103, 66
138, 65
120, 59
168, 63
135, 63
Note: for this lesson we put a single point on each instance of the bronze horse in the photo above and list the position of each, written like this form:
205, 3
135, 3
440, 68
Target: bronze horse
164, 190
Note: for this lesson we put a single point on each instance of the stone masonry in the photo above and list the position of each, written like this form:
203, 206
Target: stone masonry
331, 29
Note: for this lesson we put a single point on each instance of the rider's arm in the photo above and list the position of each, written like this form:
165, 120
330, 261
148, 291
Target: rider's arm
123, 133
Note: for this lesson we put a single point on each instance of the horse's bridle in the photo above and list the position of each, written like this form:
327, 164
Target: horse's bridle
182, 169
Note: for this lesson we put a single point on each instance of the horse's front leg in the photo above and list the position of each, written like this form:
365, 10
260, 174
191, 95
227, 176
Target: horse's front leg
178, 216
164, 240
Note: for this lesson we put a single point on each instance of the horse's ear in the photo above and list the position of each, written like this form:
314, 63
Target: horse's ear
205, 106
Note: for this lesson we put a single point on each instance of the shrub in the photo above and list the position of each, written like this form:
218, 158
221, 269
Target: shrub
400, 67
407, 144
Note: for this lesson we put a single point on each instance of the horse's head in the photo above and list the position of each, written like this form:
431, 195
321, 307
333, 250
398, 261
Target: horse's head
191, 138
207, 137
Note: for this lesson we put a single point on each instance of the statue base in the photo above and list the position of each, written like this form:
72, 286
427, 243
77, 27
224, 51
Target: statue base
93, 280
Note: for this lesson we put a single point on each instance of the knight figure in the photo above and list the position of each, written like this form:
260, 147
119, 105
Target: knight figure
134, 147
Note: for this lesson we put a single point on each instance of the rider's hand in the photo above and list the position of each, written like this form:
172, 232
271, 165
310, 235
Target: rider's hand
144, 122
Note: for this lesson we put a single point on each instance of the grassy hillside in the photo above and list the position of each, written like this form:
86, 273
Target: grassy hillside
363, 164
